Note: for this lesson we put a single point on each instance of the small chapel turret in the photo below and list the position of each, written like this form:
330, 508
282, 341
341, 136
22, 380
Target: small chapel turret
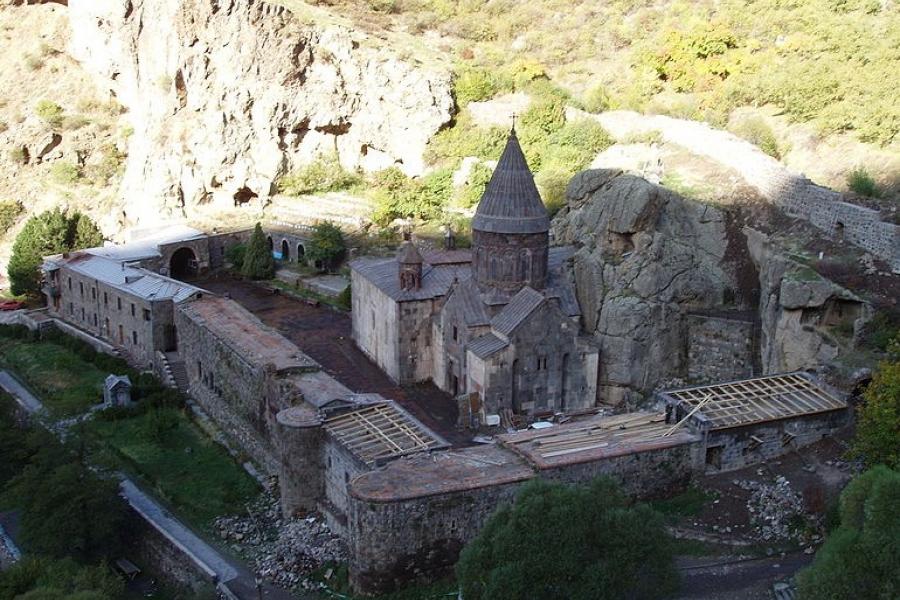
511, 228
410, 266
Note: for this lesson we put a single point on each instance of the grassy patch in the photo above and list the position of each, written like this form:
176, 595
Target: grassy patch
307, 294
67, 384
689, 503
184, 467
339, 586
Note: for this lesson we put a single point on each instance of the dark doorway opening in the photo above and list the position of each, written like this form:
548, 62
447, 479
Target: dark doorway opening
285, 251
183, 264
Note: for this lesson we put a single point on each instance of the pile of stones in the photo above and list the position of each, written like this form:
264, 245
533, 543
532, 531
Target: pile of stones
774, 508
283, 551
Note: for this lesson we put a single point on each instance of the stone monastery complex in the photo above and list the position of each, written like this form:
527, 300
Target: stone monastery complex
497, 328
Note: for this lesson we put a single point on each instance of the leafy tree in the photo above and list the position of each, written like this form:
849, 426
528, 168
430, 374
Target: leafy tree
413, 198
327, 245
43, 578
258, 261
9, 213
66, 509
859, 560
569, 542
878, 419
48, 233
478, 179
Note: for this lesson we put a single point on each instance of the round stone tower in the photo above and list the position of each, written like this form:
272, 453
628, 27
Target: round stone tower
511, 228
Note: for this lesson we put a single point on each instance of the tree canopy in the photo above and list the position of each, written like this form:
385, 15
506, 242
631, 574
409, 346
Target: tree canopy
859, 559
47, 579
878, 419
50, 232
327, 245
569, 542
258, 262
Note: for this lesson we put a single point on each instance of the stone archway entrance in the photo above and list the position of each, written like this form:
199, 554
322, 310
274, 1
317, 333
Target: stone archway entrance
183, 264
285, 251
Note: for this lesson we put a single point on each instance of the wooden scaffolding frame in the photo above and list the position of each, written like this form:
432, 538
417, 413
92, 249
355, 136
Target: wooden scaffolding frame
379, 431
758, 400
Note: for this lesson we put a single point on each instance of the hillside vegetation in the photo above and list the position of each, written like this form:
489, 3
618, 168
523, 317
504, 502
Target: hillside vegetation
829, 62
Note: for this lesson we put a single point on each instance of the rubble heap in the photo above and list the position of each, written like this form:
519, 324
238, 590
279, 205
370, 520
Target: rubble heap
773, 508
283, 551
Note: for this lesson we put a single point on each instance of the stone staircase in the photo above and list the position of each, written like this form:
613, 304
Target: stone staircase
177, 371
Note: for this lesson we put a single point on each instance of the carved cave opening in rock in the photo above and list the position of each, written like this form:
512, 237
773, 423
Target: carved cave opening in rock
620, 243
183, 264
244, 195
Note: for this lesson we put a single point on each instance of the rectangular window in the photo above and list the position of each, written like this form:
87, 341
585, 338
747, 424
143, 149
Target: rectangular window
105, 298
95, 319
93, 293
199, 370
541, 363
71, 309
70, 283
81, 288
134, 337
119, 303
132, 309
146, 314
82, 313
455, 334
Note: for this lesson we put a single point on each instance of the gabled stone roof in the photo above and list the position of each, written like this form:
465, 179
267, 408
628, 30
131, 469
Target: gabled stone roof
518, 309
486, 345
511, 202
436, 280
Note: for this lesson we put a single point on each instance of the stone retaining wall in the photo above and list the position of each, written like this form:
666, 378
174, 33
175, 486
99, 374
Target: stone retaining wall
720, 349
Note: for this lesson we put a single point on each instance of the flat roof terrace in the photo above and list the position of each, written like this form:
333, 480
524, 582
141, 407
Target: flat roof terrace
596, 438
236, 327
436, 473
757, 400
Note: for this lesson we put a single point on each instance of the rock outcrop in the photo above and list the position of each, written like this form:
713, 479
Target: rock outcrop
805, 319
645, 258
224, 96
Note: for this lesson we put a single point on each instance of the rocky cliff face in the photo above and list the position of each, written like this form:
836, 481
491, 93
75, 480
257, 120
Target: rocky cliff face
646, 256
648, 260
224, 96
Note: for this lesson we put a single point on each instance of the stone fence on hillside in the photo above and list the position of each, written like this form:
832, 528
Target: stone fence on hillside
799, 197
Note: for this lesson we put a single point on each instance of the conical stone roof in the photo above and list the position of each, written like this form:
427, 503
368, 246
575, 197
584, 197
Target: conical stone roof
511, 202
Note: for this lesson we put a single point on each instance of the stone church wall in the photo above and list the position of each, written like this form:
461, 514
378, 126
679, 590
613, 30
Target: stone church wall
375, 325
720, 349
414, 341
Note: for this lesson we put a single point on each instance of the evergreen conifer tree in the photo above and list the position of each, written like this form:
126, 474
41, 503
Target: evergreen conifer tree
258, 260
48, 233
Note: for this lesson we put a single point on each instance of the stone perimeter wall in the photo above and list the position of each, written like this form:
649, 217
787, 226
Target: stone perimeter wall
793, 193
392, 543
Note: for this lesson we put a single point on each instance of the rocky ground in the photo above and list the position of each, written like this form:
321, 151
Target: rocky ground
285, 552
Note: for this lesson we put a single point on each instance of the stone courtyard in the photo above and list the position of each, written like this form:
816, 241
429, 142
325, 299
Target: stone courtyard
324, 335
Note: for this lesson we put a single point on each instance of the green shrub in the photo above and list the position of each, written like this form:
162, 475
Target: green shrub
326, 246
756, 131
65, 173
111, 164
10, 210
49, 112
18, 155
596, 99
40, 578
569, 542
422, 198
477, 181
325, 174
544, 116
692, 59
473, 85
878, 418
235, 255
463, 139
552, 184
860, 181
858, 560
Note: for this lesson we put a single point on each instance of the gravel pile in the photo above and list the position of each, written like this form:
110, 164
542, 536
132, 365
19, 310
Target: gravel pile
282, 551
773, 508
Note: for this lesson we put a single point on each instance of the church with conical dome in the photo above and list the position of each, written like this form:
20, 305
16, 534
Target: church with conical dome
498, 325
